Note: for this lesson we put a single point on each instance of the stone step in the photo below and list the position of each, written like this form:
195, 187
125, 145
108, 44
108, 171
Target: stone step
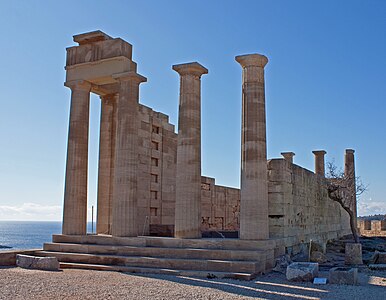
143, 270
152, 262
165, 242
187, 253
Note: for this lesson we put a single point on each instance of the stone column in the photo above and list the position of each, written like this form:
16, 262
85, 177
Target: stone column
106, 163
288, 156
254, 186
75, 193
349, 173
188, 174
319, 162
124, 200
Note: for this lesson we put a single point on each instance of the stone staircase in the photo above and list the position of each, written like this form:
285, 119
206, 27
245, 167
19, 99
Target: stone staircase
223, 258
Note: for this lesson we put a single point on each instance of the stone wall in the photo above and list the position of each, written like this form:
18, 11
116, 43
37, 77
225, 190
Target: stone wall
220, 206
299, 207
372, 227
156, 170
157, 181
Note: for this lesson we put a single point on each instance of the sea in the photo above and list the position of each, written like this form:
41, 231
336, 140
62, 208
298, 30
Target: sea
16, 235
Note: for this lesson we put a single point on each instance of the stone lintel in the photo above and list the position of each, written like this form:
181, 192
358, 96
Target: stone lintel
91, 37
248, 60
319, 152
105, 89
79, 84
193, 68
126, 76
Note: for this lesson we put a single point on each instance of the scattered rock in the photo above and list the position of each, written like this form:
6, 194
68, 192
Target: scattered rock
281, 264
343, 276
301, 271
381, 258
40, 263
318, 257
373, 259
378, 267
300, 257
318, 247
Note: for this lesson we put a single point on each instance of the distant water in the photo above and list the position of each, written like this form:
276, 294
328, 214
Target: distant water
28, 235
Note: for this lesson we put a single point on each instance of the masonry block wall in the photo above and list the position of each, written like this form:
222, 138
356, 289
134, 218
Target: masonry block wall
372, 227
299, 207
156, 171
220, 206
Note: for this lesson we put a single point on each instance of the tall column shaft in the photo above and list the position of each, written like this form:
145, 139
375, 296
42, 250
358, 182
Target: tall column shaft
319, 162
124, 201
75, 194
188, 174
106, 163
349, 173
254, 187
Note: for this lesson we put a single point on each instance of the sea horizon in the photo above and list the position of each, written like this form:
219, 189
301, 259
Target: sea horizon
22, 235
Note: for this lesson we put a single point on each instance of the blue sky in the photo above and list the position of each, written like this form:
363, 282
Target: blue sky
325, 85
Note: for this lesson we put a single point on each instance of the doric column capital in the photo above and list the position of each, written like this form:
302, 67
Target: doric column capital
252, 60
289, 156
129, 76
109, 98
193, 68
319, 152
79, 85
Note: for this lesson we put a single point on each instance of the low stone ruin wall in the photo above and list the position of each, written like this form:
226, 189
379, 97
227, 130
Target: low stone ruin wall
299, 207
372, 227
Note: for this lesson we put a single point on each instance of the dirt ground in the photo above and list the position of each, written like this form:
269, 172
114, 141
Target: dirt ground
17, 283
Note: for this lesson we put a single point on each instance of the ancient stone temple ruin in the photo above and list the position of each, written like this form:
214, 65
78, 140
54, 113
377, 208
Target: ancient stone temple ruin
153, 205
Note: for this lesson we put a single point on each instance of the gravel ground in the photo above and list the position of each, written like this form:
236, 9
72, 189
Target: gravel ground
16, 283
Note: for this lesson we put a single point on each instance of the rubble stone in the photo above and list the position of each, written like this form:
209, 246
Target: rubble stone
302, 271
40, 263
343, 276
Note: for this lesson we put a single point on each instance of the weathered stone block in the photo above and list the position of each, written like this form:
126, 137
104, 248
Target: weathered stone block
353, 254
302, 271
343, 276
381, 258
378, 267
317, 256
40, 263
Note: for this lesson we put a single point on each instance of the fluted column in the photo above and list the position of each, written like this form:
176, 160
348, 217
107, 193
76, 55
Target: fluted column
106, 163
288, 156
254, 186
124, 200
349, 173
75, 194
319, 162
188, 174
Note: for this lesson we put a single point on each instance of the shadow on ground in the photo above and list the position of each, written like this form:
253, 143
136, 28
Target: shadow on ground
260, 288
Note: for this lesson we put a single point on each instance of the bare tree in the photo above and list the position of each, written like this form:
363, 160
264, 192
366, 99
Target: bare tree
344, 189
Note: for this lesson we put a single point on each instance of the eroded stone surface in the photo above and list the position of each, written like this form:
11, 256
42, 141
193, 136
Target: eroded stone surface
343, 275
353, 254
302, 271
282, 263
319, 257
40, 263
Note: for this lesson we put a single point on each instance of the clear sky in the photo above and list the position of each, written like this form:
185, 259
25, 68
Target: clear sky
325, 85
